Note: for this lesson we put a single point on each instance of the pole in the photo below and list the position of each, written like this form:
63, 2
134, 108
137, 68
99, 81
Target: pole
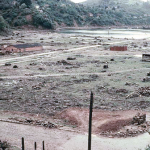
43, 145
35, 146
90, 121
23, 144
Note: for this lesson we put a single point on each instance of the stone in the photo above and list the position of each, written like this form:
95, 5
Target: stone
112, 59
15, 66
105, 66
148, 74
7, 64
71, 58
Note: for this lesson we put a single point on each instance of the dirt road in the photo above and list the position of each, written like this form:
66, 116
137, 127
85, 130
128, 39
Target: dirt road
55, 53
72, 74
56, 139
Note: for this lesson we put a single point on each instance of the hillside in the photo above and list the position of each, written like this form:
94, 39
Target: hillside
52, 14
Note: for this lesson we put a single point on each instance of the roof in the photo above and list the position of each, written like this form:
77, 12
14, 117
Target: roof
27, 45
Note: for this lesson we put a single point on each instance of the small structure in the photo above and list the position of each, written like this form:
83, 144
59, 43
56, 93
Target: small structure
118, 48
146, 57
23, 48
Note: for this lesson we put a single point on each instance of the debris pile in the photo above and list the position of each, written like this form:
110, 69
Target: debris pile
138, 126
139, 119
63, 62
147, 79
144, 91
43, 123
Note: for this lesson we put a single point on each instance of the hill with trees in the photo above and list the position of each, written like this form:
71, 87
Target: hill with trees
61, 13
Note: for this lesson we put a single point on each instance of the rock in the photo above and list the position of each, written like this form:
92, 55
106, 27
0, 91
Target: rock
105, 66
148, 74
121, 91
71, 58
112, 59
103, 71
15, 66
127, 83
7, 64
64, 62
33, 64
132, 95
147, 79
41, 39
41, 68
35, 87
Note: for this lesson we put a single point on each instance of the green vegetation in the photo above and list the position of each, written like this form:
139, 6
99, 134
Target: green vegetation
148, 148
4, 145
54, 13
3, 24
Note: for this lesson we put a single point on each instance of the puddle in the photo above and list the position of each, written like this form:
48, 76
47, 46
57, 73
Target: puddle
79, 142
139, 56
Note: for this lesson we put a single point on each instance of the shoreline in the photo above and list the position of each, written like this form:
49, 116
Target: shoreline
101, 27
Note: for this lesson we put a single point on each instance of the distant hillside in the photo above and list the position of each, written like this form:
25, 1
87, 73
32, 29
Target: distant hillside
60, 13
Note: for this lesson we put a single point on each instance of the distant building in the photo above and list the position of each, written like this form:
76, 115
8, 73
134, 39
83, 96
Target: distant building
23, 48
118, 48
146, 57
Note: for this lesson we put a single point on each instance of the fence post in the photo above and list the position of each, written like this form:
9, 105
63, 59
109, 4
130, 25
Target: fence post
90, 121
34, 145
23, 144
43, 145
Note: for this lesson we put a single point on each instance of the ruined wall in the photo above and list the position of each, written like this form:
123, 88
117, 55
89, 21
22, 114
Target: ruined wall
118, 48
14, 49
34, 48
146, 57
17, 50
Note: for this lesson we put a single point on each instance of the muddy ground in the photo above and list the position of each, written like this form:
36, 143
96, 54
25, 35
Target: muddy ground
70, 67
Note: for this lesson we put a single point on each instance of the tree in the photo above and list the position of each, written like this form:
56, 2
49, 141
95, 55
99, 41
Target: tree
3, 24
27, 2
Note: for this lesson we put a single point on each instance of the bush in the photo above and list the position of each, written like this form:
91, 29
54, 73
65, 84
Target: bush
4, 145
3, 24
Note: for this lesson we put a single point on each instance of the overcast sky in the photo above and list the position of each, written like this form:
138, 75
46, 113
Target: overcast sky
78, 1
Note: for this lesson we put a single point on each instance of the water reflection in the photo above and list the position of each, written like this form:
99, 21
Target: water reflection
116, 33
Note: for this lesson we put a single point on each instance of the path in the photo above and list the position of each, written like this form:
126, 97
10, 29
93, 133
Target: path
55, 53
56, 139
71, 74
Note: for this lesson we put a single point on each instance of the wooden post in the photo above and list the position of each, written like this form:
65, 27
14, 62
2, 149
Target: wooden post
35, 146
90, 121
23, 144
43, 145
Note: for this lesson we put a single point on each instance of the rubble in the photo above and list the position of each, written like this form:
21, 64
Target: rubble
147, 79
64, 62
35, 87
132, 95
7, 64
139, 119
148, 74
29, 121
144, 91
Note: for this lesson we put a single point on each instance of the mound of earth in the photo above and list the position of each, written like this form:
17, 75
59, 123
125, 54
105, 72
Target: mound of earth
107, 123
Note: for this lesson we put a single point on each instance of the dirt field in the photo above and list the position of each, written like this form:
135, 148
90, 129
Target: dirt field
60, 78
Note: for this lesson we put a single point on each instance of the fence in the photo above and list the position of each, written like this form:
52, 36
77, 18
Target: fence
35, 145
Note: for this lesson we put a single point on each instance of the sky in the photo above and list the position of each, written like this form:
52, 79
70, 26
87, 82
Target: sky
78, 1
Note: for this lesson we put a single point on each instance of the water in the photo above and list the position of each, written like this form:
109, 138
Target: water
116, 33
